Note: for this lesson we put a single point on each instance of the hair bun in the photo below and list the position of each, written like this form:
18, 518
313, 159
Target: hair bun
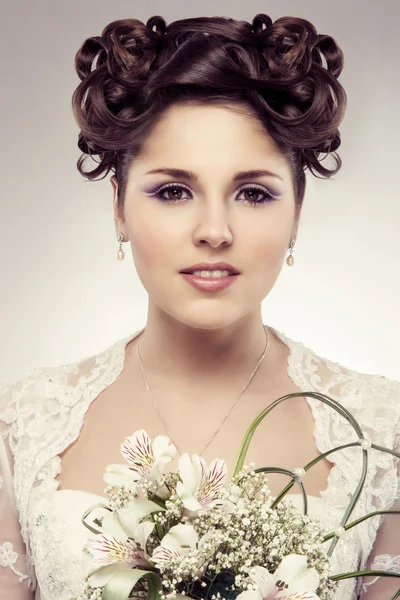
284, 69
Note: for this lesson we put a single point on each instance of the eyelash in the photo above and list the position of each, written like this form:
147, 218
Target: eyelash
268, 197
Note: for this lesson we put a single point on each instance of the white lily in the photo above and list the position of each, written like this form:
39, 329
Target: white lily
122, 543
200, 485
292, 580
145, 457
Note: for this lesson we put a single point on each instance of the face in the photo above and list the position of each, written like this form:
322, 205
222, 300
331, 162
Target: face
174, 221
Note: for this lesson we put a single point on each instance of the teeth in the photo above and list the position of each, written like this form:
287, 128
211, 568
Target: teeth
212, 274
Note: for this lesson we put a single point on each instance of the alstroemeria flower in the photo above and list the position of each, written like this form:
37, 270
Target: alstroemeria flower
145, 457
200, 485
122, 543
178, 542
292, 580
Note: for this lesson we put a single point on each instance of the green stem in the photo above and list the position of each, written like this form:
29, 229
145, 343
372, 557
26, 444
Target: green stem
253, 426
308, 466
342, 576
364, 518
295, 480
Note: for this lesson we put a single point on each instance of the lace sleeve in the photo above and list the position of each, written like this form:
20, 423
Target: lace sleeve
15, 579
385, 553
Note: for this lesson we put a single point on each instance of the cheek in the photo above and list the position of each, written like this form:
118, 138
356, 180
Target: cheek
152, 241
267, 242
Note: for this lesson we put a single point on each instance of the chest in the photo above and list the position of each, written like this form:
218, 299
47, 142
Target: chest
284, 439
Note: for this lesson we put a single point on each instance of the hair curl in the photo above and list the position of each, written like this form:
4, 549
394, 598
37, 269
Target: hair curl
134, 71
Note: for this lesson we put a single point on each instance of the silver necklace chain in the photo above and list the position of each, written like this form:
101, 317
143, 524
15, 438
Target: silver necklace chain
231, 408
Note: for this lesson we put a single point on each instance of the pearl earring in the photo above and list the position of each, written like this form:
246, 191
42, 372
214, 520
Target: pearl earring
290, 258
120, 253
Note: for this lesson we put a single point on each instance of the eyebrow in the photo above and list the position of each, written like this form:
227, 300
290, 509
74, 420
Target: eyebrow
189, 175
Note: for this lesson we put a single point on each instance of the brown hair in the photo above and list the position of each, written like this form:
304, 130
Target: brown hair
274, 71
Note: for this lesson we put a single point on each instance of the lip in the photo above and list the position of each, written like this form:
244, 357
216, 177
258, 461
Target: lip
209, 284
220, 266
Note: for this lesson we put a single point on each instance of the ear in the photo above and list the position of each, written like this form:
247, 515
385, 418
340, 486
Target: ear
118, 217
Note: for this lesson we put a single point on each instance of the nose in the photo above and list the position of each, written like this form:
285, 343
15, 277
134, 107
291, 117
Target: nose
213, 226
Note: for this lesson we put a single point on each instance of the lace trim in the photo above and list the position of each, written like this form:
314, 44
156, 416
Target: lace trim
8, 558
383, 562
78, 399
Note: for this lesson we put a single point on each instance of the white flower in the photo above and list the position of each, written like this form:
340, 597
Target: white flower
292, 580
178, 542
118, 475
122, 543
146, 458
200, 486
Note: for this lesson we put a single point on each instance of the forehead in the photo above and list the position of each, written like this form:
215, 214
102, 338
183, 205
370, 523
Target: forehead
208, 136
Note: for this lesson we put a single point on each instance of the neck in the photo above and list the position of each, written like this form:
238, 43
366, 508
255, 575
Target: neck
198, 358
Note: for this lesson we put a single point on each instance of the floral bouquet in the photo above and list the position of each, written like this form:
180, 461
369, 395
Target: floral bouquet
191, 533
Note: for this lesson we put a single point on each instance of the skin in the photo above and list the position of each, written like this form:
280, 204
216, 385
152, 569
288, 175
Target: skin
213, 338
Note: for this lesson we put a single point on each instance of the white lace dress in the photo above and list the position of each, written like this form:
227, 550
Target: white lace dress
41, 413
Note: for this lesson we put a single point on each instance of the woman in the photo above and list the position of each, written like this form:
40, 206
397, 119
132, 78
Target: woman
208, 125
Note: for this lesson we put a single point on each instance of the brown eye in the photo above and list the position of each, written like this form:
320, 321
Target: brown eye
174, 193
252, 195
171, 193
256, 196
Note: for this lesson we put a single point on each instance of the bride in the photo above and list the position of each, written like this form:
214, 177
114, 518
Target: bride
207, 125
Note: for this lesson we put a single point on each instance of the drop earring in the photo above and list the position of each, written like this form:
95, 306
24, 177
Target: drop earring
290, 258
120, 253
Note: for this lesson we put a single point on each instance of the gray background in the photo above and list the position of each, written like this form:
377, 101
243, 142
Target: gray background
63, 293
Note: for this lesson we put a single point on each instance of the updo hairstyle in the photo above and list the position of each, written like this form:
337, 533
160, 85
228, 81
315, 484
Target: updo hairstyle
272, 70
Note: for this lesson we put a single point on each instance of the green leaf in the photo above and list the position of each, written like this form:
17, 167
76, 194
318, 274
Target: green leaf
120, 585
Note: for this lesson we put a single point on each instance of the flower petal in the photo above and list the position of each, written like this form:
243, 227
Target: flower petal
162, 554
162, 447
163, 492
264, 579
189, 501
138, 452
301, 596
120, 475
190, 470
291, 567
101, 576
107, 550
308, 581
213, 481
250, 595
142, 532
180, 536
133, 512
112, 527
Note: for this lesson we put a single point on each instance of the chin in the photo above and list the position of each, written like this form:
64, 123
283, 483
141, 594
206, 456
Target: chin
210, 320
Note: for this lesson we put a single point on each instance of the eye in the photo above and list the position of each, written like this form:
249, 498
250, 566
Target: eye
255, 191
173, 190
254, 194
